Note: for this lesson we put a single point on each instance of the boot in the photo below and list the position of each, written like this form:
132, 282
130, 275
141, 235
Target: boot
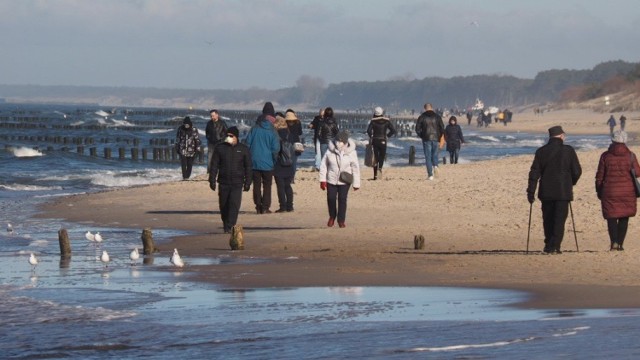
331, 222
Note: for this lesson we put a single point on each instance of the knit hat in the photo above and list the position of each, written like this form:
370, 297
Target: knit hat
187, 120
378, 111
555, 131
268, 109
343, 136
233, 131
619, 136
290, 116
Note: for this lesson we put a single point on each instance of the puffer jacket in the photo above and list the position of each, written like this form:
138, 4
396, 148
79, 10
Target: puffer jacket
231, 164
614, 183
380, 128
335, 161
557, 168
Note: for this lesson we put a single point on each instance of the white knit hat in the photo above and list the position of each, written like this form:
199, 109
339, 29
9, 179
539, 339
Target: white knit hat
619, 136
378, 111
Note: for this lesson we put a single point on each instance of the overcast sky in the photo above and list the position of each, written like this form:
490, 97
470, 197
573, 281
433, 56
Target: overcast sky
226, 44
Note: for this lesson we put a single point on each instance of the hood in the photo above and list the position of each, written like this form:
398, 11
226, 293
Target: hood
619, 149
264, 123
351, 147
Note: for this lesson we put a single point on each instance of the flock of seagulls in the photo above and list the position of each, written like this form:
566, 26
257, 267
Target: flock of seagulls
96, 239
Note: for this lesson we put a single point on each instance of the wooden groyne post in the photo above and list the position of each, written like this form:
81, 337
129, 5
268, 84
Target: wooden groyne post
147, 242
65, 246
412, 155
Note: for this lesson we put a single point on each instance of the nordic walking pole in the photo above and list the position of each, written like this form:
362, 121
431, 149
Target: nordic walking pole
575, 235
529, 230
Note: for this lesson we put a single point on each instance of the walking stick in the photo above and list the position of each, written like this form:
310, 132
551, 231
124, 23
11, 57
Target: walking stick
529, 230
575, 235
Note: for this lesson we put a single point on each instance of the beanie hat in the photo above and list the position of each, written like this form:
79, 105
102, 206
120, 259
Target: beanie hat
378, 111
555, 131
234, 131
619, 136
343, 136
268, 109
187, 120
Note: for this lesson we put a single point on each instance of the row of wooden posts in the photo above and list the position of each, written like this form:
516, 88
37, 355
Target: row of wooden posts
148, 246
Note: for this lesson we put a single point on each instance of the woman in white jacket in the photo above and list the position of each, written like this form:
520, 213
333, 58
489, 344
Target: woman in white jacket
341, 157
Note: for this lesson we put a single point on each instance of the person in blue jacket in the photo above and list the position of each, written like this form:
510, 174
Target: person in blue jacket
264, 143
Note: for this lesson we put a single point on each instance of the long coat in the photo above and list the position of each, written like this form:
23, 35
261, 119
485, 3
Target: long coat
557, 168
614, 184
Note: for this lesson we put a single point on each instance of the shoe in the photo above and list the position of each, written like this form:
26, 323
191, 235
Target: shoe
547, 250
266, 211
430, 177
341, 224
281, 210
290, 210
331, 222
435, 170
614, 246
258, 209
557, 252
620, 248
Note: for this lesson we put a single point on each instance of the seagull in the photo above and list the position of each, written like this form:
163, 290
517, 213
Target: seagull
33, 261
176, 259
134, 255
98, 237
9, 228
105, 258
89, 236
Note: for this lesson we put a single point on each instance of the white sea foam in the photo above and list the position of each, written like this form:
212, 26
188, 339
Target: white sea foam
22, 187
135, 178
25, 152
159, 131
77, 123
121, 122
471, 346
489, 138
39, 243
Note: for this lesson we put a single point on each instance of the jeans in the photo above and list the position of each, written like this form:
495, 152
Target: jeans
554, 216
285, 192
318, 154
262, 180
337, 193
323, 150
430, 148
453, 156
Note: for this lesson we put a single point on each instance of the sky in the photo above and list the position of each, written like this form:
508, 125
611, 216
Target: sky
227, 44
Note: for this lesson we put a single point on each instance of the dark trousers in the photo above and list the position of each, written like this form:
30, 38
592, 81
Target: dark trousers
379, 152
617, 230
262, 180
554, 216
337, 194
285, 192
186, 162
453, 156
229, 200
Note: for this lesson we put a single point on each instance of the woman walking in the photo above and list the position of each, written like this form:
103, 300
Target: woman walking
339, 170
453, 137
616, 189
187, 145
379, 129
284, 173
295, 132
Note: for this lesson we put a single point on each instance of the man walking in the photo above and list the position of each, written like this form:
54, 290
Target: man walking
612, 124
231, 168
557, 168
429, 127
264, 143
215, 131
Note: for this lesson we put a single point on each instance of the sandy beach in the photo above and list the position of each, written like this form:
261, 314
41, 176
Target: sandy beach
474, 218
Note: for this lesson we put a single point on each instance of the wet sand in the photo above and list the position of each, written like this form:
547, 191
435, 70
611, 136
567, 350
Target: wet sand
474, 218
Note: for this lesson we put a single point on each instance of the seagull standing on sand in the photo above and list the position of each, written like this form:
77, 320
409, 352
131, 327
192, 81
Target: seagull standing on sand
89, 236
105, 258
9, 229
176, 259
33, 261
134, 255
98, 237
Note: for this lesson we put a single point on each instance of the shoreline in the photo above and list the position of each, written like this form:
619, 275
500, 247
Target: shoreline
474, 218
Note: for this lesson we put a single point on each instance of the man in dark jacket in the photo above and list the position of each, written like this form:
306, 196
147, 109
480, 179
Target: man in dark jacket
215, 131
231, 167
380, 127
429, 127
557, 168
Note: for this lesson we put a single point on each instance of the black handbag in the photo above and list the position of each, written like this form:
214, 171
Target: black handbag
346, 177
636, 184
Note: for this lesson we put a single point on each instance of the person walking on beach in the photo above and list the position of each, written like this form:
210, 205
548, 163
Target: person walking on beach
264, 144
295, 136
187, 145
315, 125
327, 131
469, 117
616, 189
557, 168
284, 173
379, 129
623, 122
215, 131
453, 137
612, 124
429, 127
231, 169
341, 157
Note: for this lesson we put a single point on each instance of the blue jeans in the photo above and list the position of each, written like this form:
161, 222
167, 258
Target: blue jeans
318, 155
323, 150
430, 148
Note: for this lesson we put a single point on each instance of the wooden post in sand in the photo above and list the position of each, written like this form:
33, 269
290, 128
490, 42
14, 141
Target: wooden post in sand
412, 155
147, 242
418, 242
65, 246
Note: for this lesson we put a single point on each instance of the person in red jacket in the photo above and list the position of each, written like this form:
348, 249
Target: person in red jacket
616, 189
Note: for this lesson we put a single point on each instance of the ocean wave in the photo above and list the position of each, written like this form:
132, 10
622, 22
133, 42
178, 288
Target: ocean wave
471, 346
121, 122
23, 187
25, 152
159, 131
135, 178
489, 138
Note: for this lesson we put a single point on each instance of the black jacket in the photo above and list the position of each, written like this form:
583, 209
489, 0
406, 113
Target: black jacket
557, 168
328, 130
216, 131
453, 137
380, 128
429, 126
231, 164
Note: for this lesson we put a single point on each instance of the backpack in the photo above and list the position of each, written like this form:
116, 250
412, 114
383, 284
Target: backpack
286, 154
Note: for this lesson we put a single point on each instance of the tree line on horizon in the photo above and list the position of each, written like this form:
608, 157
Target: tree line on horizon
394, 95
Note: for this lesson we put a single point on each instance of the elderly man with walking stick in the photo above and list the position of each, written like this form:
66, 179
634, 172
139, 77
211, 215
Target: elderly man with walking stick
557, 169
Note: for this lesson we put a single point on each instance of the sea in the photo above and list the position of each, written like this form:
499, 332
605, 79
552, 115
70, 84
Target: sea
81, 308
